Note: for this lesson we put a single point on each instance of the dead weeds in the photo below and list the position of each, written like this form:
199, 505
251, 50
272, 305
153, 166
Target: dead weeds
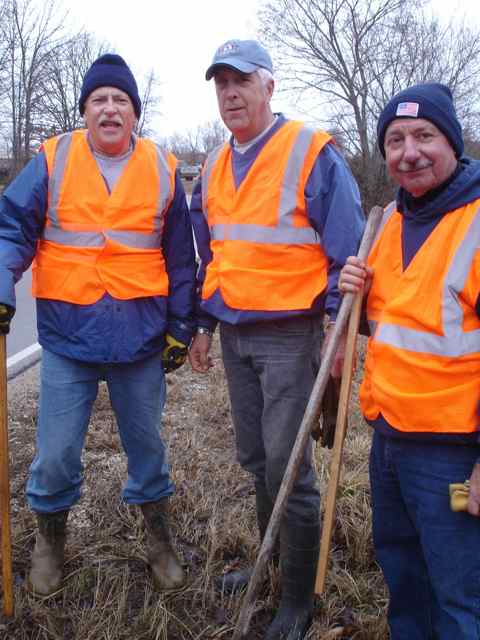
108, 592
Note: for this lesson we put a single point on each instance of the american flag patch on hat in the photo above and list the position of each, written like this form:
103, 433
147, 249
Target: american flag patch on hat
408, 109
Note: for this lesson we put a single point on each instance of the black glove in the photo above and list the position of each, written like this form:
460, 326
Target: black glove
325, 429
6, 314
174, 354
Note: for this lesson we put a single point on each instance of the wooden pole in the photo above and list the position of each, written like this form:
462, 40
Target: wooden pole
311, 413
7, 575
340, 431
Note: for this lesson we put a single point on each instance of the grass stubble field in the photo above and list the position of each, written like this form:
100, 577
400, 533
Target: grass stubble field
108, 593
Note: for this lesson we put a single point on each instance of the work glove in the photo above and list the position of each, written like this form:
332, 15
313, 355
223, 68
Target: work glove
324, 430
6, 314
174, 354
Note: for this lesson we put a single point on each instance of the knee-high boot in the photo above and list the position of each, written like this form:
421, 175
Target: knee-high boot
166, 568
299, 556
46, 572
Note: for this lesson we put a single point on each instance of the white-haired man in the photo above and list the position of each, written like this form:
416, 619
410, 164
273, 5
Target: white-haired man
275, 215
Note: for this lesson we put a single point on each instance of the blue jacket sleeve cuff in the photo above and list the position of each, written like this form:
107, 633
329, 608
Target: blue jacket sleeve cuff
181, 330
7, 288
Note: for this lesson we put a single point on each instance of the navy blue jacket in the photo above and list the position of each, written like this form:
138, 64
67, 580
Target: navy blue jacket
333, 209
110, 330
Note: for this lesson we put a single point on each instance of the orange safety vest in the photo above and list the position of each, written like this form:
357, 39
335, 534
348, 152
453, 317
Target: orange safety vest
266, 255
422, 370
95, 242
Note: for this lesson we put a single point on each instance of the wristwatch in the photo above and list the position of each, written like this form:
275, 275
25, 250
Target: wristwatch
204, 330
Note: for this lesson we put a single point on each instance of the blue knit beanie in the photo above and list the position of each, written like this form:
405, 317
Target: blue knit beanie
110, 70
433, 102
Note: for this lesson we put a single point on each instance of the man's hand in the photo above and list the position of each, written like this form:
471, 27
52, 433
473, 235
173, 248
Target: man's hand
355, 276
337, 365
6, 314
174, 354
198, 353
473, 505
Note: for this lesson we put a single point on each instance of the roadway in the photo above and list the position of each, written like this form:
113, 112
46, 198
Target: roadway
22, 347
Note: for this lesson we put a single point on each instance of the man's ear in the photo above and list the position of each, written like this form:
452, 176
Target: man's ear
270, 87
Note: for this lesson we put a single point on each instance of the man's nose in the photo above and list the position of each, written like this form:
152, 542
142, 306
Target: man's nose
231, 90
410, 149
110, 106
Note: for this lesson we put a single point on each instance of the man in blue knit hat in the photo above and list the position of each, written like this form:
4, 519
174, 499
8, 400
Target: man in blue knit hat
421, 388
103, 215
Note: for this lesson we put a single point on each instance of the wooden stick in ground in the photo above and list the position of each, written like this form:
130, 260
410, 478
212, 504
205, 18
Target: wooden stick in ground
340, 431
7, 576
311, 413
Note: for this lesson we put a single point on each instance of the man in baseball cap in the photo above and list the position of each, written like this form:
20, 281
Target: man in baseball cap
282, 211
245, 56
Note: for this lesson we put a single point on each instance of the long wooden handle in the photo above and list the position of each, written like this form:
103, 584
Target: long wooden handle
303, 435
340, 431
7, 575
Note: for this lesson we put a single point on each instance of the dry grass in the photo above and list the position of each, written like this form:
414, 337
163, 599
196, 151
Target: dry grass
108, 593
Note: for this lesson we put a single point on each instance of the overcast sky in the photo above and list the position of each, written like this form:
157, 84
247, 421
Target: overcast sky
177, 38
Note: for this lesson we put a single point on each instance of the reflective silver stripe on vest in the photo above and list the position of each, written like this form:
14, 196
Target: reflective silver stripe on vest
285, 232
264, 235
207, 172
133, 239
455, 342
56, 178
165, 190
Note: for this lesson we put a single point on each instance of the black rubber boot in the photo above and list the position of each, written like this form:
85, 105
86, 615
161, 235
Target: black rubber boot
166, 569
45, 577
299, 556
236, 580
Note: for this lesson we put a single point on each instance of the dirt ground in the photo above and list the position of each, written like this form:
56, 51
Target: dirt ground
108, 593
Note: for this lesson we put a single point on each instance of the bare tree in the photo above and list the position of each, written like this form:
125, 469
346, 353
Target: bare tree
4, 48
30, 33
195, 144
151, 100
212, 134
61, 84
185, 146
348, 57
41, 74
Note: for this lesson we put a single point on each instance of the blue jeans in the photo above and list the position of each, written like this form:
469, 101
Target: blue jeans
429, 555
271, 369
67, 393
